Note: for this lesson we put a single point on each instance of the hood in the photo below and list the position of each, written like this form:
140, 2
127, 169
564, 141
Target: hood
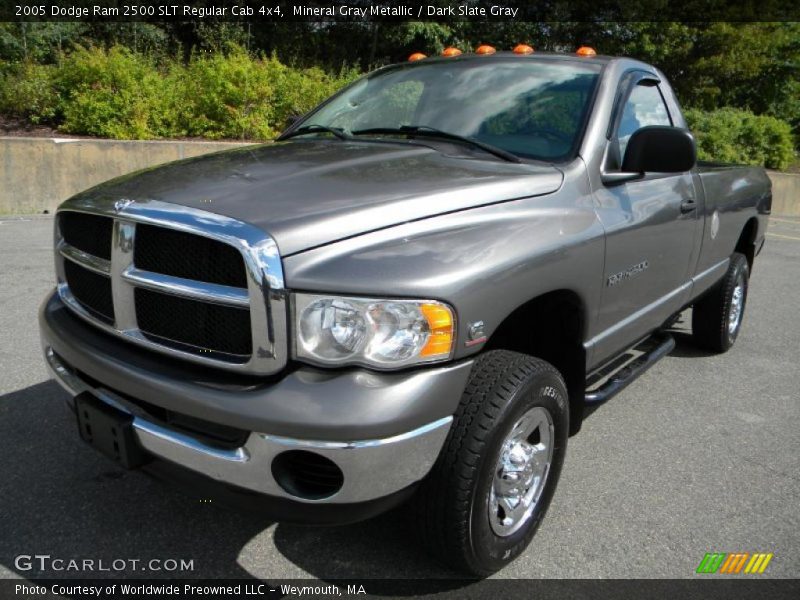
307, 193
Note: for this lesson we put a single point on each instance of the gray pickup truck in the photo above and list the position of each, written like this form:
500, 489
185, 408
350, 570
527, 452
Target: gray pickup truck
412, 295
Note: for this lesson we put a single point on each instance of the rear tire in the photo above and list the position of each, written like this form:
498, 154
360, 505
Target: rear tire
717, 316
481, 504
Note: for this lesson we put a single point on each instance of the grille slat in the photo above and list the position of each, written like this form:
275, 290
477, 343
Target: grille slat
189, 256
192, 326
90, 233
91, 290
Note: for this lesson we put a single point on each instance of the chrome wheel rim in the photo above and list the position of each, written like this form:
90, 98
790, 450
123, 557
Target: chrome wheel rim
737, 306
521, 472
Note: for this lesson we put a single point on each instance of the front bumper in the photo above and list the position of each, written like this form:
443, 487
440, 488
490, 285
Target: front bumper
323, 404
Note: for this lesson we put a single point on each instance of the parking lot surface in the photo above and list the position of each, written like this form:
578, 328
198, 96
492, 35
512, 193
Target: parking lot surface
699, 455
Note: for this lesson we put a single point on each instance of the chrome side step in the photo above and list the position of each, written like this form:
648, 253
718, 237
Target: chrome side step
652, 350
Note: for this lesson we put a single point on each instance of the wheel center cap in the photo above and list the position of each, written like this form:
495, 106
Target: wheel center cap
519, 454
518, 468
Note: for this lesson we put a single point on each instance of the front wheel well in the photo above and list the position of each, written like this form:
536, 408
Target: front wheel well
550, 327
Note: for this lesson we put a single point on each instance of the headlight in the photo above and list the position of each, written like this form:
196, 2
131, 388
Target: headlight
382, 333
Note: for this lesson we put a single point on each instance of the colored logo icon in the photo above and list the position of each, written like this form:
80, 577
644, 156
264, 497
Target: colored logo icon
734, 563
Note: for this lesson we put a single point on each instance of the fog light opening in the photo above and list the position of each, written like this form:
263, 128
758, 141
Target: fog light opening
307, 475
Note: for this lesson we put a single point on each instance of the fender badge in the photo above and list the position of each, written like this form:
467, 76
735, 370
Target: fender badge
627, 274
475, 333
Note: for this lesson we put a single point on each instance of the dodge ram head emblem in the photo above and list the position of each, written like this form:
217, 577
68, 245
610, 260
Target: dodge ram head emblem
121, 205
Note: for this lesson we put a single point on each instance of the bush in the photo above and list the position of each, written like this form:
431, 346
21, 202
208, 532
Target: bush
228, 97
116, 94
236, 96
26, 91
739, 136
297, 91
122, 94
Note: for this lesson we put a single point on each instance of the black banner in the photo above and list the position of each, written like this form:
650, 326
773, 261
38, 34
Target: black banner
271, 11
700, 588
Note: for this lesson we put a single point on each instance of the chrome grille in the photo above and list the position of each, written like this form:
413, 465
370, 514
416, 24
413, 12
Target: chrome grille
203, 287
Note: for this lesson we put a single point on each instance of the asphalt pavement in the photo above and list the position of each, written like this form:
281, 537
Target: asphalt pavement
699, 455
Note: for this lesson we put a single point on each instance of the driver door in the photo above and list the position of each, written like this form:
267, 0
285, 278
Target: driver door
651, 228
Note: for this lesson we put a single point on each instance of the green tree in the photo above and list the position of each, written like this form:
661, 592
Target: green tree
753, 66
39, 42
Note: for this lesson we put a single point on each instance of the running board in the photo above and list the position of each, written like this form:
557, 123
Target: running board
662, 344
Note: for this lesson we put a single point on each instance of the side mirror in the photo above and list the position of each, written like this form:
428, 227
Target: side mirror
659, 149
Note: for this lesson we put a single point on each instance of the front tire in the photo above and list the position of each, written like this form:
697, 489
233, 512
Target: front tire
481, 504
717, 317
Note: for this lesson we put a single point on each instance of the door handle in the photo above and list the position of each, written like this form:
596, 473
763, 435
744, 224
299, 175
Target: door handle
688, 206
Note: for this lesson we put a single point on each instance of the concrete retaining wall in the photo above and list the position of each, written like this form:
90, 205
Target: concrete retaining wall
36, 174
785, 193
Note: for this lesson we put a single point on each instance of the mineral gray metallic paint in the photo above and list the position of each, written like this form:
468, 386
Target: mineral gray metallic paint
307, 193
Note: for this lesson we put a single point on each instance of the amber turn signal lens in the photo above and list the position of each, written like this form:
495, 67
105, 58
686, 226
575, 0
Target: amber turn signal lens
484, 49
523, 49
585, 51
416, 56
440, 322
450, 52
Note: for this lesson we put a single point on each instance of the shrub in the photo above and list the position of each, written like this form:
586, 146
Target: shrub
236, 96
739, 136
297, 91
27, 91
116, 94
122, 94
228, 97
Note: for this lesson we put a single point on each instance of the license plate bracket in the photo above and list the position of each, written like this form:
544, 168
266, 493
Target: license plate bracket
109, 430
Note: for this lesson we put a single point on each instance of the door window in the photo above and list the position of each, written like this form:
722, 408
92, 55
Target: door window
644, 107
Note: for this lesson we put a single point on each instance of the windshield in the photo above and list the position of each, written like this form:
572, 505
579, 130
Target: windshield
531, 109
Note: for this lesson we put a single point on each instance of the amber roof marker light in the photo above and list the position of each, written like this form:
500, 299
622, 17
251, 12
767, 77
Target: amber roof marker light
485, 49
450, 52
585, 51
416, 56
523, 49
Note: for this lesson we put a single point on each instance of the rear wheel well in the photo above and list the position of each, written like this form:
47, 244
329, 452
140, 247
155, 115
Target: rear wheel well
747, 241
550, 327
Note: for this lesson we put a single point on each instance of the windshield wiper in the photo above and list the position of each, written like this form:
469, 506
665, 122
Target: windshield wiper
313, 128
425, 130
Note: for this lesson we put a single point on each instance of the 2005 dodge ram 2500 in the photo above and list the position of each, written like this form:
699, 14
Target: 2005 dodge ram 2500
412, 294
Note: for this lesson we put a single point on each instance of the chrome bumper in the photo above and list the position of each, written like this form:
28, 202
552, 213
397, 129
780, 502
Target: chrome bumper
372, 468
